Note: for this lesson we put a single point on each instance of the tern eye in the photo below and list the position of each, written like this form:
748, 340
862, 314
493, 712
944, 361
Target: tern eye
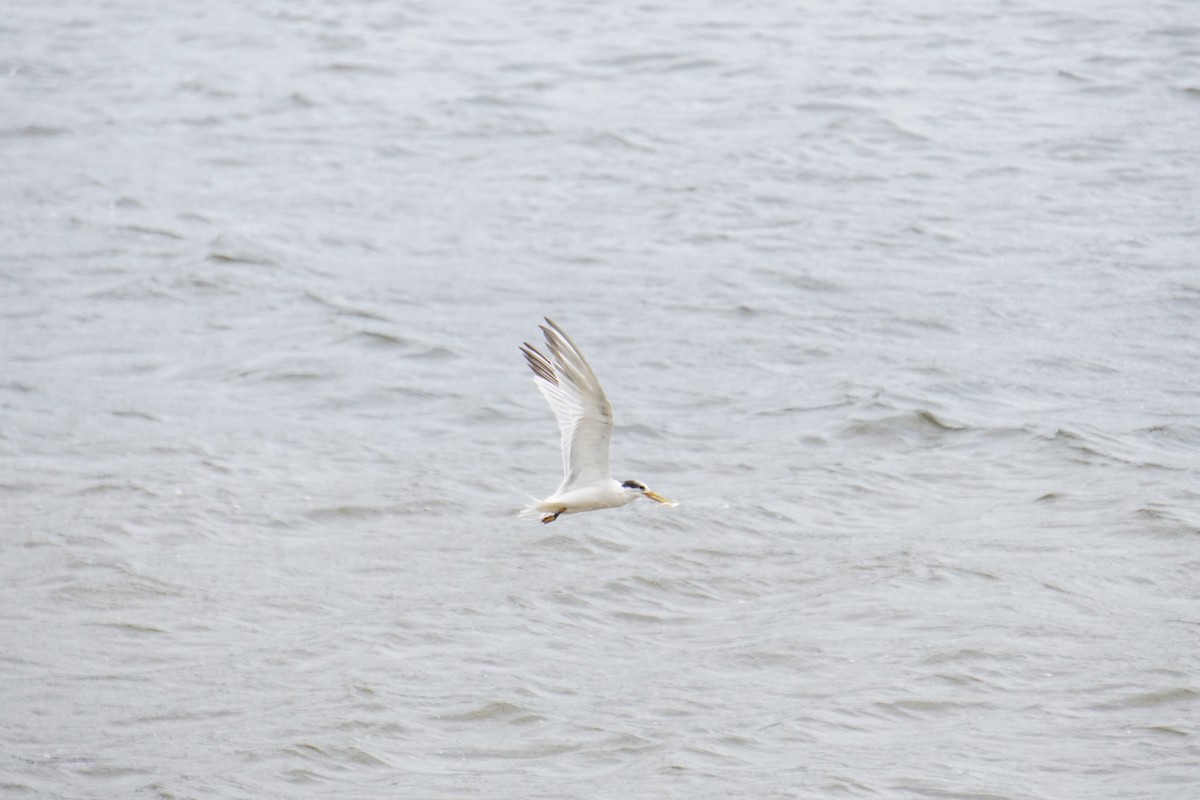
634, 485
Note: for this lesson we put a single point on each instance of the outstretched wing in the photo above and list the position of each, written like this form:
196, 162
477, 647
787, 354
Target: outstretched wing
579, 404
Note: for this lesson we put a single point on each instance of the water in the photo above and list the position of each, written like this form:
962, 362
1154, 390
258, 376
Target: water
899, 302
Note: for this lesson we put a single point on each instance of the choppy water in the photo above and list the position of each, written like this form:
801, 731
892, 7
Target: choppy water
899, 301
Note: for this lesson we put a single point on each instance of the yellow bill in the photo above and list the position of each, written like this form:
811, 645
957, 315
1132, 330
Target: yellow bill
658, 498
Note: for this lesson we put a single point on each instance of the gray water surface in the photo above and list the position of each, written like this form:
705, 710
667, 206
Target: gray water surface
899, 301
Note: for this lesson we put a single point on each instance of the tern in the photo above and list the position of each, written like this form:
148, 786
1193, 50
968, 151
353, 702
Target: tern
585, 421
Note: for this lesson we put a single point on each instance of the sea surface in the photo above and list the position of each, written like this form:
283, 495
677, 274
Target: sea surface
899, 301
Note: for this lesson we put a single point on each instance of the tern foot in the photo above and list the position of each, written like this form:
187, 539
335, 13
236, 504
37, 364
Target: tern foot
546, 520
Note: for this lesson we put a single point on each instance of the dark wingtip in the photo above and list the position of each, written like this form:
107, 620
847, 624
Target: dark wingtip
540, 365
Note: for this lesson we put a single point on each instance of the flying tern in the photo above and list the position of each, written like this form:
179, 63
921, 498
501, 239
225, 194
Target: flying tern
585, 423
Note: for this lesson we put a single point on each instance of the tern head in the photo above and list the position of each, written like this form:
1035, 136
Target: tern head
637, 487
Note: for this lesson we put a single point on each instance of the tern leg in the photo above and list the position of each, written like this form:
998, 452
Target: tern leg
546, 520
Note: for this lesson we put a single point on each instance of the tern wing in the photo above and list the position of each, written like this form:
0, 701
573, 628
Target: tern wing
579, 404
